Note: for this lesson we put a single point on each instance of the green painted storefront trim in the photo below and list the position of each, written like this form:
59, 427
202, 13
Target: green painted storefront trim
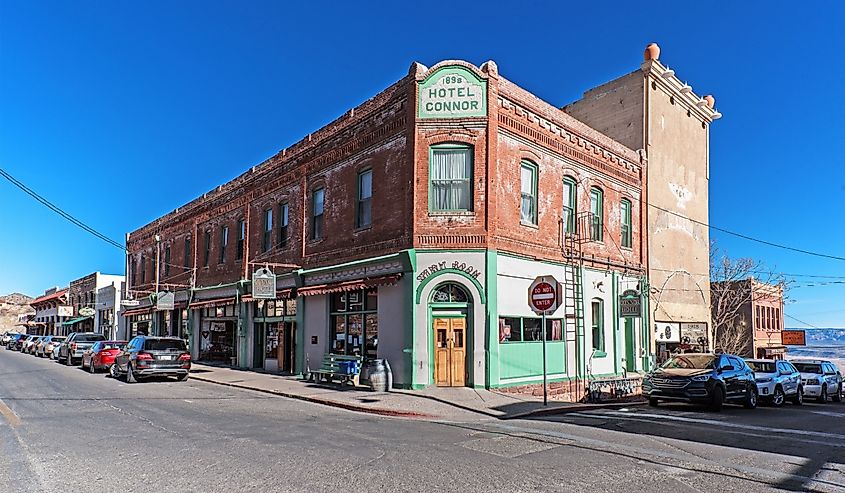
411, 318
539, 379
450, 270
614, 279
299, 366
492, 371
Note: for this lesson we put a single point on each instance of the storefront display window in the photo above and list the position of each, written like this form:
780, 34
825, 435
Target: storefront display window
217, 334
524, 329
354, 323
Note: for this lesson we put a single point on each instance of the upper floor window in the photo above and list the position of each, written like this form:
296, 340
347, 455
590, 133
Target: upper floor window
284, 221
450, 184
364, 216
239, 248
597, 214
167, 261
187, 252
528, 177
625, 213
224, 242
267, 239
143, 269
597, 321
570, 190
132, 271
317, 203
207, 253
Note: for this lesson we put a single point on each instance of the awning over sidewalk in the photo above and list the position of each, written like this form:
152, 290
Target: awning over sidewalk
137, 311
75, 320
214, 302
283, 294
349, 285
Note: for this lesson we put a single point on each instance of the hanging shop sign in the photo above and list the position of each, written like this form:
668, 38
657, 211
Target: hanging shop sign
86, 311
794, 337
64, 311
452, 92
667, 332
694, 333
630, 304
264, 284
130, 302
165, 300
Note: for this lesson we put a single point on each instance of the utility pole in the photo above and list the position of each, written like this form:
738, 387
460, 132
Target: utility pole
156, 328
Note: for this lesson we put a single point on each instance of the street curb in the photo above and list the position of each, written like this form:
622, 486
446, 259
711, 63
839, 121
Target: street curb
574, 409
325, 402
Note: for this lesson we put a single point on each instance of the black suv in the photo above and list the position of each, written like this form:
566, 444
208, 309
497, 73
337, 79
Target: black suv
702, 378
146, 356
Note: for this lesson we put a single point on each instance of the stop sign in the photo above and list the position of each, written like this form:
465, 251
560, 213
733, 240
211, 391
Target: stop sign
543, 295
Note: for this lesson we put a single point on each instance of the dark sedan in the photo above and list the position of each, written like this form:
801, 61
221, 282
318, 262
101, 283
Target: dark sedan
702, 378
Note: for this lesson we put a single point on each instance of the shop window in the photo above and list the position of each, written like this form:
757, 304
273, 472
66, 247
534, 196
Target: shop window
224, 243
625, 213
284, 220
597, 321
317, 204
167, 261
596, 214
449, 293
267, 239
450, 183
354, 323
528, 178
570, 208
364, 215
528, 329
239, 247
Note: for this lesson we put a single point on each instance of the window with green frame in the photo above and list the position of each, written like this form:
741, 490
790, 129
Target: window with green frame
625, 212
570, 207
596, 214
450, 178
597, 321
528, 329
354, 323
364, 214
528, 179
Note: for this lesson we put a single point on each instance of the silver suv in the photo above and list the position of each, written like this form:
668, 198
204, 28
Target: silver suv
820, 379
777, 381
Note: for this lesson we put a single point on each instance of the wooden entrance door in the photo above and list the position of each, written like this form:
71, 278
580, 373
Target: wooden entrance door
450, 352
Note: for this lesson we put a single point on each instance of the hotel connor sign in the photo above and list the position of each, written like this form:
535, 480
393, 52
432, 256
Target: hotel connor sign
452, 92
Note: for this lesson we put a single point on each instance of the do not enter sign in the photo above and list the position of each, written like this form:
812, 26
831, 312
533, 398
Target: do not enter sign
543, 295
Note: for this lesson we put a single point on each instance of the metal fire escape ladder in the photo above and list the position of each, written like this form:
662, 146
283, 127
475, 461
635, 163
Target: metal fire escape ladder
573, 297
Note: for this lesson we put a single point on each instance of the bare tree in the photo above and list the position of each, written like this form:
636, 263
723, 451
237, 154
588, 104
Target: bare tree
735, 283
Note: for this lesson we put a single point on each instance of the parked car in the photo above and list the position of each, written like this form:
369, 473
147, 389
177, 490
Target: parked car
51, 348
820, 379
17, 341
146, 356
702, 378
101, 355
76, 344
777, 381
28, 343
7, 337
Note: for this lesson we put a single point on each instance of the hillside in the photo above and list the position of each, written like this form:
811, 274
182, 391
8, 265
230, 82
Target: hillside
11, 307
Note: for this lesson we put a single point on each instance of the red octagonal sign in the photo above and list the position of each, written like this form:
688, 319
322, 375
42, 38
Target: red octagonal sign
542, 295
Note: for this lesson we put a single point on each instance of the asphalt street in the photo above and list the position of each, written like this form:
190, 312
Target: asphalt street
62, 429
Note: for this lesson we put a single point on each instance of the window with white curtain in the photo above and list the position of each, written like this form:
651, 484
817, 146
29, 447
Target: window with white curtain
451, 178
528, 177
597, 217
625, 212
569, 204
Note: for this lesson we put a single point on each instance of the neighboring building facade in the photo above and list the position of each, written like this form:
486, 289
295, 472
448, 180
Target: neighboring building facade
652, 110
108, 308
410, 229
51, 311
82, 297
754, 328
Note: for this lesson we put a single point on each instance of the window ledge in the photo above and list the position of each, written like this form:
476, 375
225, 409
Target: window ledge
529, 225
360, 229
451, 213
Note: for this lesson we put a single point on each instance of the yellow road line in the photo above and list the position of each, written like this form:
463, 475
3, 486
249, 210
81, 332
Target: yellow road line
10, 415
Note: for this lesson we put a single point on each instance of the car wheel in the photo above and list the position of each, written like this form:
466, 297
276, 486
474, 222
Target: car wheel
69, 359
130, 377
91, 368
113, 371
184, 377
799, 397
823, 396
778, 397
718, 399
837, 397
751, 398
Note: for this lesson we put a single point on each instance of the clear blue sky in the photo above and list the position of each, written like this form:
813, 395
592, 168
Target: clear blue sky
122, 111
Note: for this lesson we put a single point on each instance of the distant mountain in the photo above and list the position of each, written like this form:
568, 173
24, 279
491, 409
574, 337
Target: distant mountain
16, 299
11, 307
822, 336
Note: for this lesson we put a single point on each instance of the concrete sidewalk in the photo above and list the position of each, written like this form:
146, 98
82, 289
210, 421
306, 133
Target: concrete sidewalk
454, 404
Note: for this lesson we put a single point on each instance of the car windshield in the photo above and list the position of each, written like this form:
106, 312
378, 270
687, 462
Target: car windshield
89, 337
692, 362
808, 367
762, 366
164, 345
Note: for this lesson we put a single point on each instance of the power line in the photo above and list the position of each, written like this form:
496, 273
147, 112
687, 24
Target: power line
739, 235
800, 321
59, 211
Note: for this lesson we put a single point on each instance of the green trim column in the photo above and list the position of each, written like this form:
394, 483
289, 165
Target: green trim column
616, 339
299, 364
411, 320
492, 323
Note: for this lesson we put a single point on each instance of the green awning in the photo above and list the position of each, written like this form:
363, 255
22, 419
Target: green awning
75, 320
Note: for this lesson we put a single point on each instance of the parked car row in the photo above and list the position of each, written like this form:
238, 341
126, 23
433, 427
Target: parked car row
713, 379
143, 356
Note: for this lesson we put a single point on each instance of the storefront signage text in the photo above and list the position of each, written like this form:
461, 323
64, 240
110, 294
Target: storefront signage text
794, 337
453, 92
165, 301
630, 304
442, 265
264, 284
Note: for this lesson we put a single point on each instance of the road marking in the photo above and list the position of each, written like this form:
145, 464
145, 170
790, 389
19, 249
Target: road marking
829, 413
11, 417
715, 422
188, 401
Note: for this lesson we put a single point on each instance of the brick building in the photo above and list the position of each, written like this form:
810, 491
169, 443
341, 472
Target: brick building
755, 326
409, 229
82, 298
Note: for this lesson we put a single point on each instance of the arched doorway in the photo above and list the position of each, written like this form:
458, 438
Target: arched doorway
449, 306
